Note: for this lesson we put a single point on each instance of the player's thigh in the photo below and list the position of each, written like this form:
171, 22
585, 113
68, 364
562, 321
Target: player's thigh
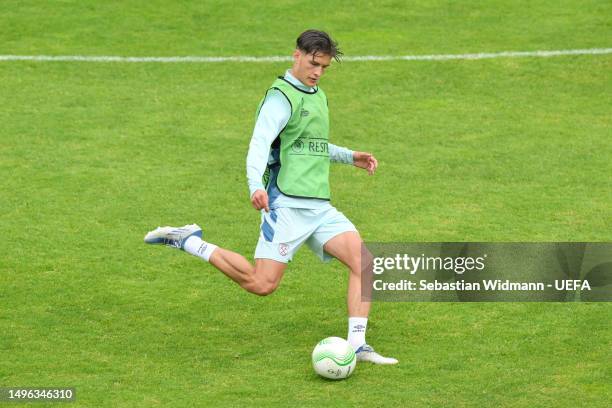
332, 224
346, 247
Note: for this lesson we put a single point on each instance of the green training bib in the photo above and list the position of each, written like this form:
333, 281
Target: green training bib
304, 151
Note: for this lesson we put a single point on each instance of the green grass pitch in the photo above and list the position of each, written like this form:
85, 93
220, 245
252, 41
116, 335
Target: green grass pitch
93, 155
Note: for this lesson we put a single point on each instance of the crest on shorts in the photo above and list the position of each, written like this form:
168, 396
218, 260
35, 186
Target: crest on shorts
283, 249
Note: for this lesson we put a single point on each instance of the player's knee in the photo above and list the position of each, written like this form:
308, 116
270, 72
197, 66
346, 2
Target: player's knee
264, 288
261, 287
267, 290
356, 270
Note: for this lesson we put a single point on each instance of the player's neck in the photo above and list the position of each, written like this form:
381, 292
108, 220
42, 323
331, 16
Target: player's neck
294, 79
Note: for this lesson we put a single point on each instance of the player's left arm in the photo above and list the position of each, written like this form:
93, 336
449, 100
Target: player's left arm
363, 160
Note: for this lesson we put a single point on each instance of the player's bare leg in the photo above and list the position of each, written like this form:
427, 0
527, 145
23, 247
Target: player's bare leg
346, 247
261, 279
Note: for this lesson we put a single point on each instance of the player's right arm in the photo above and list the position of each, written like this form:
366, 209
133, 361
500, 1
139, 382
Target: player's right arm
259, 200
273, 116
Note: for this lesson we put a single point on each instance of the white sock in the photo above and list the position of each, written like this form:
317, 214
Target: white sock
197, 247
356, 331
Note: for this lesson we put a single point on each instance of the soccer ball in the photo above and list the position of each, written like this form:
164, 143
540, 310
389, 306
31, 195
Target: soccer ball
334, 358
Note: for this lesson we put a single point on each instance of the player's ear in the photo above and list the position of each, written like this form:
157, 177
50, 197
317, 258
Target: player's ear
296, 54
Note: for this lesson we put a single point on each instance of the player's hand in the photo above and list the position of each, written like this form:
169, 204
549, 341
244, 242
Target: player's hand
259, 199
366, 161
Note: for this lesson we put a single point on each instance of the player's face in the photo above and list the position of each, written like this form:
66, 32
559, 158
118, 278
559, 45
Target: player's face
309, 68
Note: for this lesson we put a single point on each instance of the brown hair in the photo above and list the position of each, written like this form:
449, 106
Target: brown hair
315, 41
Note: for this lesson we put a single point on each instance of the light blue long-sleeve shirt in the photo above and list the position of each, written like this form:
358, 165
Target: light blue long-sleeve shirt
274, 114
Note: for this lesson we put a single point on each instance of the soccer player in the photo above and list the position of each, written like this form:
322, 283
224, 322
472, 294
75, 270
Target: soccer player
290, 153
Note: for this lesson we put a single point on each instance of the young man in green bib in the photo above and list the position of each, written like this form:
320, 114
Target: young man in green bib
290, 152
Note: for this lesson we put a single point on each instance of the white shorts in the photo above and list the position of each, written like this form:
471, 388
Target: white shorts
284, 230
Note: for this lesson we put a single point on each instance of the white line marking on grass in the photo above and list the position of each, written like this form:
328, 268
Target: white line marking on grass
84, 58
438, 57
486, 55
